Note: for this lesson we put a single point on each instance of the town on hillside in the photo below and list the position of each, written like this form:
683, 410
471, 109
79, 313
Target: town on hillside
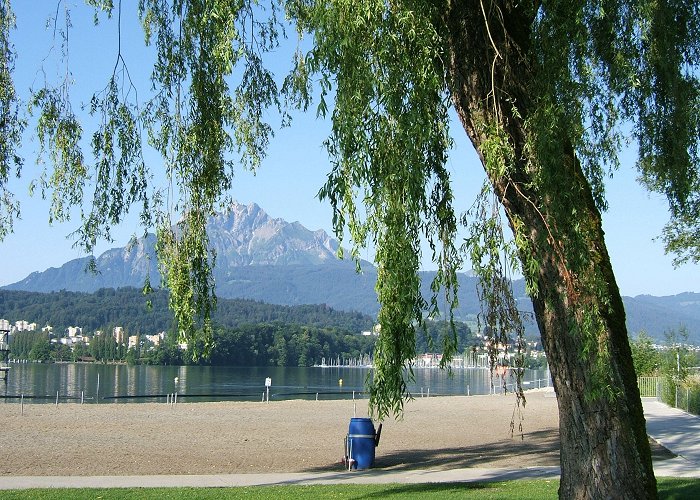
75, 339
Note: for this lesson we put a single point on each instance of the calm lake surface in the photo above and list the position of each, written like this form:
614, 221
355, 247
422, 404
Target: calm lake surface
121, 383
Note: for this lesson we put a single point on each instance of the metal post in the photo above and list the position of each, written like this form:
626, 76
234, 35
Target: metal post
676, 395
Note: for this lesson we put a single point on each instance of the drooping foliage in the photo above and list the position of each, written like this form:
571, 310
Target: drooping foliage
600, 73
198, 120
204, 115
548, 92
11, 122
389, 185
610, 72
605, 74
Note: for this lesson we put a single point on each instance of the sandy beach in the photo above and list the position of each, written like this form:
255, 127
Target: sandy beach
293, 436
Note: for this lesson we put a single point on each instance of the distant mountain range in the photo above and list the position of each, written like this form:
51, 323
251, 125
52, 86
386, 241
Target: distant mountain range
280, 262
257, 257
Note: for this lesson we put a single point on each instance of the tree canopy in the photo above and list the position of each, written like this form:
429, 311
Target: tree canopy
547, 91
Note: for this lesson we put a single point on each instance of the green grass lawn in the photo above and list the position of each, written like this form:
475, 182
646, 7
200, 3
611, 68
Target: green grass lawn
670, 488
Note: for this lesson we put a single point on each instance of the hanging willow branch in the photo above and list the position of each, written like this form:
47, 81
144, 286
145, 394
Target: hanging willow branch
11, 123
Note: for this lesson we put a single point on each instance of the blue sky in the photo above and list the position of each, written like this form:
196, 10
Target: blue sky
296, 167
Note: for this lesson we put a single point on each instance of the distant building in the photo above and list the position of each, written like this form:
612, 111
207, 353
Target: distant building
4, 325
376, 330
428, 360
155, 339
74, 331
119, 335
133, 341
24, 326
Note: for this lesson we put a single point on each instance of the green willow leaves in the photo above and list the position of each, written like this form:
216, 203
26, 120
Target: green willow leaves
204, 115
11, 122
604, 66
203, 127
597, 74
388, 184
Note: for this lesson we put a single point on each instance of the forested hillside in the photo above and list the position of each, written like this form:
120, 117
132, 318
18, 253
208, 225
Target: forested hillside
247, 333
128, 308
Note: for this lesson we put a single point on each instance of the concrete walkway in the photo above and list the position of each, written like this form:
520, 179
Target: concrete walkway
678, 432
372, 476
674, 429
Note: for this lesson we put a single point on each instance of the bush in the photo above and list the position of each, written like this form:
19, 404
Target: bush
688, 394
692, 386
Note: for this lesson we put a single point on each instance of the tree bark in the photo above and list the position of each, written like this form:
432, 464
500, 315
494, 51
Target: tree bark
604, 447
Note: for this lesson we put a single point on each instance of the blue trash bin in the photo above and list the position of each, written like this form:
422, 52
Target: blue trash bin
361, 443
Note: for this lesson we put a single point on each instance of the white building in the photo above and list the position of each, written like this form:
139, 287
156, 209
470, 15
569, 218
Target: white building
24, 326
133, 341
119, 334
74, 331
156, 339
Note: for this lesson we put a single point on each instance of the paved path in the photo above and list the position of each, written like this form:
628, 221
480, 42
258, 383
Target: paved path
674, 429
678, 432
226, 480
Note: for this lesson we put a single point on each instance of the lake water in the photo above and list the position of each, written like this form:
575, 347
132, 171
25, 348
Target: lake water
121, 383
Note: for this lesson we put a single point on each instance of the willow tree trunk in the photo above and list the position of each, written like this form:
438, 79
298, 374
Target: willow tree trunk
604, 447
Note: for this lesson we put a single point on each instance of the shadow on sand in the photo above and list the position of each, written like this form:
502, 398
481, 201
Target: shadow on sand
534, 449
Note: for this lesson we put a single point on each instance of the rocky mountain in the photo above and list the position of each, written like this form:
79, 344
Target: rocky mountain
280, 262
258, 257
247, 236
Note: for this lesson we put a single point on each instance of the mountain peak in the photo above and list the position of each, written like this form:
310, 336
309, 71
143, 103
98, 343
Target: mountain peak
246, 235
242, 235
